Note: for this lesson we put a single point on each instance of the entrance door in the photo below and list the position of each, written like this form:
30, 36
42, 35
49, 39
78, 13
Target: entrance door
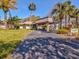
34, 26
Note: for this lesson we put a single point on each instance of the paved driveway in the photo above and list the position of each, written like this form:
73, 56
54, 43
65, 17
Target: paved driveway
41, 45
37, 34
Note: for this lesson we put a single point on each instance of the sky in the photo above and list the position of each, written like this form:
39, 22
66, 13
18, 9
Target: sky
43, 7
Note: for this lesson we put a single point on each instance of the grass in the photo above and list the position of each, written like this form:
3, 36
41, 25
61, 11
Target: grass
9, 39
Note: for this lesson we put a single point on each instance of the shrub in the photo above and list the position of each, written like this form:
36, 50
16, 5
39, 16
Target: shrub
66, 28
77, 37
62, 31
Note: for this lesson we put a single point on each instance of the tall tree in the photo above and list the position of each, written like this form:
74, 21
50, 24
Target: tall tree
6, 5
59, 12
68, 10
76, 16
64, 11
32, 7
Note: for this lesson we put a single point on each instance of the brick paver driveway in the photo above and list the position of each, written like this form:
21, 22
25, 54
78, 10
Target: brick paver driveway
41, 45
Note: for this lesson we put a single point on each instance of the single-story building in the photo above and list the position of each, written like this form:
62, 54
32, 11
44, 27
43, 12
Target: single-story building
25, 24
46, 23
2, 25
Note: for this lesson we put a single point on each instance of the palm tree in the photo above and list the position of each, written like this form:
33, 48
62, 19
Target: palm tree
76, 15
68, 10
59, 12
64, 11
32, 7
6, 5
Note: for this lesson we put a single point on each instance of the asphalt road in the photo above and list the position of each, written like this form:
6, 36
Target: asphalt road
42, 45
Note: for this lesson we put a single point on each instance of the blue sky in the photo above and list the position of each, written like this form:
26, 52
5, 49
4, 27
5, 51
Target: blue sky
43, 7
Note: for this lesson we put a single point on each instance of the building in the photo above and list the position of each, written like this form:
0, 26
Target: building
45, 23
2, 25
25, 24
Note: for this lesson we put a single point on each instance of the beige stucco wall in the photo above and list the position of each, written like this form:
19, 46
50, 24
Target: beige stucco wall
2, 26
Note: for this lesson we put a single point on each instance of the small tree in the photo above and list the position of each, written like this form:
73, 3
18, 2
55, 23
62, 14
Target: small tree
15, 21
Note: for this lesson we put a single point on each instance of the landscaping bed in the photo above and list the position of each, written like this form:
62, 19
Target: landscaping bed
65, 33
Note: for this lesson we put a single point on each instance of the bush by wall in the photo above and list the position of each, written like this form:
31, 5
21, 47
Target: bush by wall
62, 31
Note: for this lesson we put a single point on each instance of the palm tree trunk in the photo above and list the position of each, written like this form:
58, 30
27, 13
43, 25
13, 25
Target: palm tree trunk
5, 18
65, 20
77, 22
68, 19
5, 15
60, 23
10, 16
11, 25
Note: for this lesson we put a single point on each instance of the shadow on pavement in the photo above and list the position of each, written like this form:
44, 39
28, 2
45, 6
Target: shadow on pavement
47, 48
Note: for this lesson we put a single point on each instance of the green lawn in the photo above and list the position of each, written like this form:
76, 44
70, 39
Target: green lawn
9, 39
